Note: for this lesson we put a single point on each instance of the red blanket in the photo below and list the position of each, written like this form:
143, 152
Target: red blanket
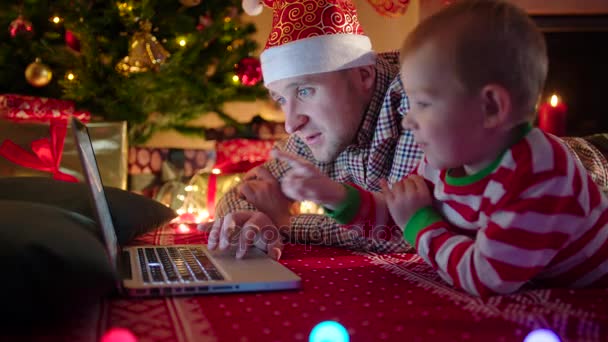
393, 297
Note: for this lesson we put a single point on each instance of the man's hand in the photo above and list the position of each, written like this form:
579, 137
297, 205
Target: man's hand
406, 197
305, 182
245, 228
261, 189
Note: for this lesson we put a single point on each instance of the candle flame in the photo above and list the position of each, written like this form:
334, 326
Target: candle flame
554, 100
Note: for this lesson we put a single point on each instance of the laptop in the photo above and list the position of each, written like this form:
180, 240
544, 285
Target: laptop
175, 269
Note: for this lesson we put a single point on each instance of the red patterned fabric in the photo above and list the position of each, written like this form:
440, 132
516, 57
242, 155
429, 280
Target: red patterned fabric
31, 108
294, 20
241, 155
392, 297
390, 8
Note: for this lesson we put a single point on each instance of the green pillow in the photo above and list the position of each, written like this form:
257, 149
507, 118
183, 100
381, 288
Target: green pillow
52, 261
132, 214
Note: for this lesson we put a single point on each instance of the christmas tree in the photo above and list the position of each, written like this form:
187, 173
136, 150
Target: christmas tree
158, 64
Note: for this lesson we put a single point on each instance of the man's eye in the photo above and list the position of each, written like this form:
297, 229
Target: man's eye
303, 92
421, 104
280, 101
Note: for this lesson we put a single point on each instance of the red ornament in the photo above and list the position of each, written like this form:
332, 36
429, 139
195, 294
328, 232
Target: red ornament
204, 21
72, 41
390, 8
552, 116
19, 27
249, 71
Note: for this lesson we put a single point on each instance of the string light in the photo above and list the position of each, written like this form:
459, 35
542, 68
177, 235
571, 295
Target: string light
542, 335
235, 79
182, 41
218, 171
329, 331
56, 19
70, 76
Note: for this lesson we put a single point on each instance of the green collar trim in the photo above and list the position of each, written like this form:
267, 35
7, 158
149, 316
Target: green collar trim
471, 179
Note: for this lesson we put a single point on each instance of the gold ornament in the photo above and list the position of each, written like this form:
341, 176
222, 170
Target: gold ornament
190, 3
38, 74
145, 53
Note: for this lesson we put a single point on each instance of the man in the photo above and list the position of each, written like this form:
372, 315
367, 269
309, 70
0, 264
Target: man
343, 105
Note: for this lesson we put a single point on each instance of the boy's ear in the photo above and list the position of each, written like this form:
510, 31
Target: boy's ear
497, 105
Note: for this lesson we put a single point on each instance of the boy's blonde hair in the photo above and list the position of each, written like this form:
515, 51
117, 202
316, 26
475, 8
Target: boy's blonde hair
489, 41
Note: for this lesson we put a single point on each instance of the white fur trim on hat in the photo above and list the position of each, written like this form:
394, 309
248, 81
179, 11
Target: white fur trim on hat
316, 55
252, 7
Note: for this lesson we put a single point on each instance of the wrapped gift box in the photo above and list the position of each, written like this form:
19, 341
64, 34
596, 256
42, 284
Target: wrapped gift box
109, 142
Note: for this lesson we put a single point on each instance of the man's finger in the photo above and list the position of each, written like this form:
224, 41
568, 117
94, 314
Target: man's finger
246, 239
275, 247
263, 174
214, 234
245, 189
251, 174
293, 160
228, 228
386, 191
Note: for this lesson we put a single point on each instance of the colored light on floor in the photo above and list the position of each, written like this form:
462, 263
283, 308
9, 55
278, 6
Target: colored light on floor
542, 335
118, 335
329, 331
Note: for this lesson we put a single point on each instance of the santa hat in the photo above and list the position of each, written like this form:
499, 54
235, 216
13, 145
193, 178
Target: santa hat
310, 37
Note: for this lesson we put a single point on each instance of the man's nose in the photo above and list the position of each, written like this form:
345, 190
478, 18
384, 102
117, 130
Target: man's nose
294, 121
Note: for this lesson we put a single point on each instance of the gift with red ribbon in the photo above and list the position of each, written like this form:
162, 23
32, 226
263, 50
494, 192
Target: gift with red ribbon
46, 152
34, 141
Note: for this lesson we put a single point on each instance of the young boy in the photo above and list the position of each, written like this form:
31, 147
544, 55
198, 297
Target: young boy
494, 204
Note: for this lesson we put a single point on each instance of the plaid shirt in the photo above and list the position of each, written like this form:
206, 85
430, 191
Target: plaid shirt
382, 150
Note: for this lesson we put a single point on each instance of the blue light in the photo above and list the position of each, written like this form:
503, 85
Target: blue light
329, 331
542, 335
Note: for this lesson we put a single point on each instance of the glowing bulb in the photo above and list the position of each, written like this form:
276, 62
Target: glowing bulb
183, 228
70, 76
235, 79
542, 335
191, 188
182, 42
180, 211
329, 331
554, 100
56, 19
202, 216
216, 171
118, 335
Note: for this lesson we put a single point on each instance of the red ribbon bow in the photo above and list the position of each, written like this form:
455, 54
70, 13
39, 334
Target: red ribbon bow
47, 152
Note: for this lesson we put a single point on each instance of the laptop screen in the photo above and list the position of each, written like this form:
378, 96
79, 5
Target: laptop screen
97, 195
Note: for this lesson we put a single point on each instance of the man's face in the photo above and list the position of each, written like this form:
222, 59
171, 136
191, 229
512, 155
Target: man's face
324, 110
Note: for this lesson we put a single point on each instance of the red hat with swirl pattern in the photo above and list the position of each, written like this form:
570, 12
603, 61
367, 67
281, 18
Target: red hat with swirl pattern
310, 37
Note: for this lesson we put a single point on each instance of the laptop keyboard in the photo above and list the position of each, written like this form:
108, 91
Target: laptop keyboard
176, 264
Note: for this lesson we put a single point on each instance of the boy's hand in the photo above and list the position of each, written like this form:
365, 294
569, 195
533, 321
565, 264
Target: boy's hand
406, 197
305, 182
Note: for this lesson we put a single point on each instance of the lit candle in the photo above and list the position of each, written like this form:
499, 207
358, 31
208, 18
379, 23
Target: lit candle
552, 116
